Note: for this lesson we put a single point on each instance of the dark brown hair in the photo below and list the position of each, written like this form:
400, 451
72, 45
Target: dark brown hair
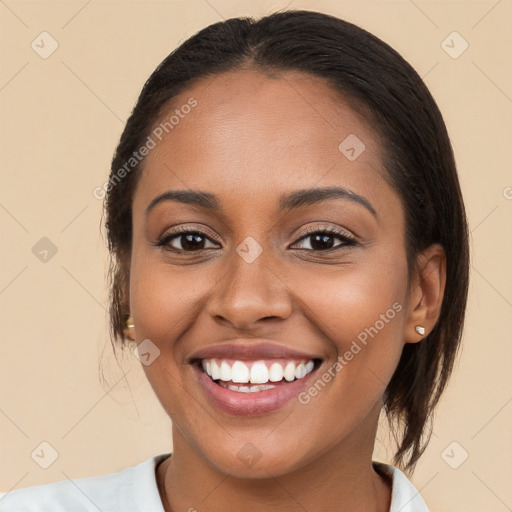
417, 156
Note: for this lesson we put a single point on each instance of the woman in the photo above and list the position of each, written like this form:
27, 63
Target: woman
290, 258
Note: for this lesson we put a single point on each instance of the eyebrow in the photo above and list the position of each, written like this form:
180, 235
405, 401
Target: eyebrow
287, 202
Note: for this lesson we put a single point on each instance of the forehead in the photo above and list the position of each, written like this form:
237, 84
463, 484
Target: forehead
250, 134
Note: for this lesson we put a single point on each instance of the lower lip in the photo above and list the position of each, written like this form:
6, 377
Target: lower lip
251, 404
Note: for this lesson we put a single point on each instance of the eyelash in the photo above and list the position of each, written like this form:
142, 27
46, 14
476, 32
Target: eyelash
329, 230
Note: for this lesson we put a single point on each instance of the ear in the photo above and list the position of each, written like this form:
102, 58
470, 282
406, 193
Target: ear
426, 292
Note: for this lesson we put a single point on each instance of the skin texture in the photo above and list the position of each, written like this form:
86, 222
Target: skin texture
250, 139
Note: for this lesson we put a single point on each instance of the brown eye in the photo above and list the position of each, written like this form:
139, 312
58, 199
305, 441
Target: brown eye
184, 241
323, 240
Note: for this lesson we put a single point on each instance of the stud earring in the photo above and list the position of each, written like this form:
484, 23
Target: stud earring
420, 330
128, 332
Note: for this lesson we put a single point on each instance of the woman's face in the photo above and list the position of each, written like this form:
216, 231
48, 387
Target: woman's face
259, 285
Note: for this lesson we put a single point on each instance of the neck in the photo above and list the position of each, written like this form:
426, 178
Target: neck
342, 479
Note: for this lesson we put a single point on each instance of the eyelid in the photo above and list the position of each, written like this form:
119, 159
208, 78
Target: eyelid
327, 229
185, 229
347, 239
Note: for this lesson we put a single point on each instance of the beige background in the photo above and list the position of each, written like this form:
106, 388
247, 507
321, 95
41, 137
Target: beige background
61, 118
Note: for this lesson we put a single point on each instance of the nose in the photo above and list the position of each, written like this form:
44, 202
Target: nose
249, 294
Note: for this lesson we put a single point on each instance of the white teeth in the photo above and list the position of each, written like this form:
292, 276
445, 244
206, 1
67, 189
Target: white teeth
276, 372
259, 373
215, 370
289, 372
225, 371
239, 372
247, 389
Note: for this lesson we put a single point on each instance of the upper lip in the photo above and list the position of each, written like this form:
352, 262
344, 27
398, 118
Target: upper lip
250, 350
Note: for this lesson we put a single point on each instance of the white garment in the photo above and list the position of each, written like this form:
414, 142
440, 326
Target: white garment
134, 489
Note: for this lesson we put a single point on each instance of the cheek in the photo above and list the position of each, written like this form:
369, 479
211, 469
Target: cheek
362, 316
348, 303
163, 303
165, 298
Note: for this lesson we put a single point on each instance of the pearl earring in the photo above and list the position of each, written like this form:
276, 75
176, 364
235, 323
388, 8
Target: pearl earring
128, 333
420, 330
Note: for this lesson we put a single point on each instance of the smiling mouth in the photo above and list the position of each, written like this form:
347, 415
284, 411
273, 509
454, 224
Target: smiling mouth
254, 376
